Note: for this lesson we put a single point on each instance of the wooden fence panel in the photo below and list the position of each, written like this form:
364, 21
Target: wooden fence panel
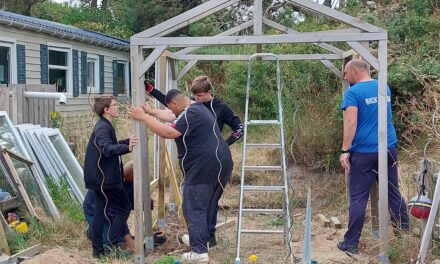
20, 88
14, 105
4, 98
27, 110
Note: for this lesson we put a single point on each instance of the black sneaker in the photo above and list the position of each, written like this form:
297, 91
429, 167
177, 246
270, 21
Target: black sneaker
98, 255
159, 238
344, 247
212, 242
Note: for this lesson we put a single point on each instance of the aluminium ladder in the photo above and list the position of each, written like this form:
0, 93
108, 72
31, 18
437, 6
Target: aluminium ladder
245, 188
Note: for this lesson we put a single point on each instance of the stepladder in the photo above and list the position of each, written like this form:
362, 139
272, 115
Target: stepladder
255, 145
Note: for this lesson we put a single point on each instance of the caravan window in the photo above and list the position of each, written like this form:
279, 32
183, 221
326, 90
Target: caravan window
59, 71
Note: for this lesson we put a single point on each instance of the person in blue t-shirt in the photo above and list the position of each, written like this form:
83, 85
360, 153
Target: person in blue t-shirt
359, 153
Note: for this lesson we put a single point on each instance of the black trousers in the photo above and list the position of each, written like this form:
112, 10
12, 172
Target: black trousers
120, 211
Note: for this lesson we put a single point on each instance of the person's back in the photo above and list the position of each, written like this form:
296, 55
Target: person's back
363, 95
359, 153
198, 144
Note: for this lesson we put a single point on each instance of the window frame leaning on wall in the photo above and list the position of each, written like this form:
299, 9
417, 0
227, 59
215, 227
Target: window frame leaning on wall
50, 159
20, 150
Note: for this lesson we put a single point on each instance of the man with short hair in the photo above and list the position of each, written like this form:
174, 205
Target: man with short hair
359, 153
201, 88
204, 157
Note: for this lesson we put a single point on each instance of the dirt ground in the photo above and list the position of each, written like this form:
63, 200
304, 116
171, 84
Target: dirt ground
328, 198
60, 256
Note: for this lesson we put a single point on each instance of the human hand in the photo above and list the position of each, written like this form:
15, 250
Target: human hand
133, 141
136, 113
343, 159
147, 109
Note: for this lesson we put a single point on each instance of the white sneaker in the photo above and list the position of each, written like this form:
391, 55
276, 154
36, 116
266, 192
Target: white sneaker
193, 256
185, 239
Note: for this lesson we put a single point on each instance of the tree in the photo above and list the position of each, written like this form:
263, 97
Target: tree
19, 6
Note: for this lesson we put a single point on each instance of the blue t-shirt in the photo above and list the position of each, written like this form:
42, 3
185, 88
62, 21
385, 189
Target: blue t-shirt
363, 95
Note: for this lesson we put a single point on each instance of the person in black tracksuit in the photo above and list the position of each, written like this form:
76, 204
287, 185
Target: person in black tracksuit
204, 158
103, 173
203, 93
201, 88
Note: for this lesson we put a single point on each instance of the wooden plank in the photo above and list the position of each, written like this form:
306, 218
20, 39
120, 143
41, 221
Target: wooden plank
20, 102
281, 57
348, 54
154, 184
25, 108
186, 18
44, 114
228, 32
324, 220
173, 69
225, 225
149, 61
365, 54
186, 68
31, 106
382, 155
162, 84
7, 162
335, 222
333, 68
4, 247
4, 99
17, 157
267, 39
4, 223
174, 185
140, 163
258, 21
332, 13
27, 253
52, 102
9, 204
288, 30
374, 205
14, 104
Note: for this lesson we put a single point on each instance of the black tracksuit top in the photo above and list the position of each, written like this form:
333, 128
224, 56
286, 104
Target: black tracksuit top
104, 149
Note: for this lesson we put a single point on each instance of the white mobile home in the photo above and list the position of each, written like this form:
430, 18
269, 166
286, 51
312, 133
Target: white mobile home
81, 63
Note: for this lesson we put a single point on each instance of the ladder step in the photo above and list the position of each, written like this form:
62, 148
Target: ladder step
263, 145
276, 168
254, 188
263, 122
258, 231
263, 211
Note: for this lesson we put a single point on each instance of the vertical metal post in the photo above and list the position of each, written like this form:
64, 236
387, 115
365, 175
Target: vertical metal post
307, 246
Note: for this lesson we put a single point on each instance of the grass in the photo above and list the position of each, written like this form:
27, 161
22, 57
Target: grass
276, 222
17, 241
63, 198
164, 260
